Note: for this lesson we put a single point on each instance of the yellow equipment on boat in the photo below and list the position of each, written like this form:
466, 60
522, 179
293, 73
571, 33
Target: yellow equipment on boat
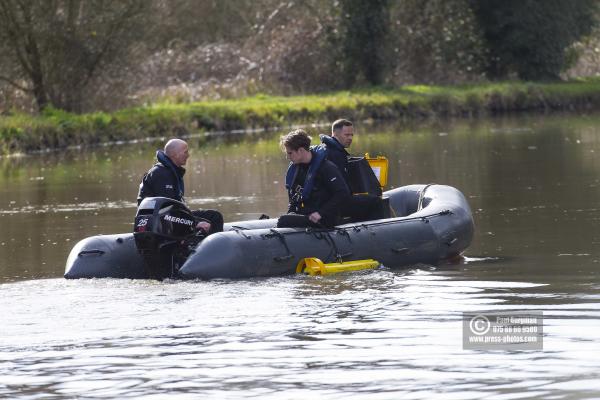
314, 266
379, 165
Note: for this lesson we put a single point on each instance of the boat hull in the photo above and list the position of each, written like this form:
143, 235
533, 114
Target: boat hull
432, 223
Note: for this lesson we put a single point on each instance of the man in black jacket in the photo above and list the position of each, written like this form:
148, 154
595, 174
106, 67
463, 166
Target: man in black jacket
316, 188
359, 207
165, 179
342, 133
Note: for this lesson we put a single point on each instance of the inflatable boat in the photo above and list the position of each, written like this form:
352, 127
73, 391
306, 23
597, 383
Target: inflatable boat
427, 224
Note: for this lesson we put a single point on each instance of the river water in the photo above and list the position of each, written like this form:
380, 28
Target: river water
533, 183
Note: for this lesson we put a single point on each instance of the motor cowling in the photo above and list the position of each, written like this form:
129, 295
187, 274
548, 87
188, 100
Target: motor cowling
163, 230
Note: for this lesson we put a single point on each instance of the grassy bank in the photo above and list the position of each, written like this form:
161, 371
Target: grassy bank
55, 129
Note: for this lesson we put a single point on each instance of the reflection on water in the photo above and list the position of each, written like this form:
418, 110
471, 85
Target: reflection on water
533, 184
57, 208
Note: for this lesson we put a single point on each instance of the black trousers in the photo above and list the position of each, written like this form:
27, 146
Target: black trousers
213, 217
293, 220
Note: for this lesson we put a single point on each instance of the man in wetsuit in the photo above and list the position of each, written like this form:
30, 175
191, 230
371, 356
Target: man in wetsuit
165, 179
359, 207
342, 133
316, 187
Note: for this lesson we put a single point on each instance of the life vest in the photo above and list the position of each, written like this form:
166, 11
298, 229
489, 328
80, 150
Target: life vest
319, 153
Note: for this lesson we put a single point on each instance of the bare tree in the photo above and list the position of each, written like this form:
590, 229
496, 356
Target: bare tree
53, 48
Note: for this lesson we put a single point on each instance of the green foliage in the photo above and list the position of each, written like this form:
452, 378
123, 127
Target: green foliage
58, 129
82, 55
530, 38
363, 27
434, 41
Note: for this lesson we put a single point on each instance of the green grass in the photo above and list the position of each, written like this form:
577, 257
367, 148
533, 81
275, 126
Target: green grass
55, 129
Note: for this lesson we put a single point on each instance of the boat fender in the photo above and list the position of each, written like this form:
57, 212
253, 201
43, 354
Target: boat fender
314, 266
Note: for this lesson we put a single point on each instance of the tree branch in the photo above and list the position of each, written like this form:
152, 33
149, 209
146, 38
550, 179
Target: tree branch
15, 84
115, 28
15, 33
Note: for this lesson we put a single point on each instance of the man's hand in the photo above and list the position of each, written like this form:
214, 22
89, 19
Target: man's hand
205, 226
315, 217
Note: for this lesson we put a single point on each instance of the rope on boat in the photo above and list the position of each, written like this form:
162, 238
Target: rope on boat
320, 233
281, 237
356, 228
239, 230
338, 256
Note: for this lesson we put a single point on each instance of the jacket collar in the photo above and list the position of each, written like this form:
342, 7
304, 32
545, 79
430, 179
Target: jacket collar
167, 162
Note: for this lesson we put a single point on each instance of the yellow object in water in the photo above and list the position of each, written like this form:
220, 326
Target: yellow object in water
314, 266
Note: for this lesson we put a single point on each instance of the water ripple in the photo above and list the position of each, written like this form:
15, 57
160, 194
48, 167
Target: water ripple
108, 205
374, 334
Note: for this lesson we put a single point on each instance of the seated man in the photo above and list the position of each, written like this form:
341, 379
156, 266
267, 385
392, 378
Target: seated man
316, 188
359, 207
342, 133
165, 179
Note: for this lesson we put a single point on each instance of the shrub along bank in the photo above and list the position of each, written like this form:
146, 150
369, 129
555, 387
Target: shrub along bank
55, 129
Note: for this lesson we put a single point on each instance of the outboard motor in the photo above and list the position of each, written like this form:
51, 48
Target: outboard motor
165, 233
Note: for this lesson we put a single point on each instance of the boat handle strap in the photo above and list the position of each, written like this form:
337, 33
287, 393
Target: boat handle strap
281, 237
95, 251
422, 196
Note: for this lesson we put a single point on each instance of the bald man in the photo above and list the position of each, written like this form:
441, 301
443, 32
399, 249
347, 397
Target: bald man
165, 179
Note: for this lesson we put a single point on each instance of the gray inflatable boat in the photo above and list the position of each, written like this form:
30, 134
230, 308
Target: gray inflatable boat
429, 224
